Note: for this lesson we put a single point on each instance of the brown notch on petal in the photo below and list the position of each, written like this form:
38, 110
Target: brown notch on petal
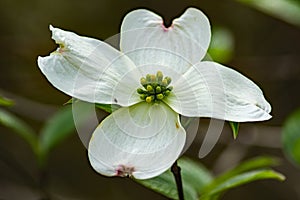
167, 26
124, 171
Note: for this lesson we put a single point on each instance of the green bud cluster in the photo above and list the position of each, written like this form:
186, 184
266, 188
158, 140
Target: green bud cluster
155, 87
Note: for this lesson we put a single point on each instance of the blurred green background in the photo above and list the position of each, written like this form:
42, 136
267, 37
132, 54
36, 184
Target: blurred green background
266, 49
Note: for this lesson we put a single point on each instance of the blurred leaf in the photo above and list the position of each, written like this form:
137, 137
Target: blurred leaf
20, 127
235, 128
57, 129
222, 45
241, 175
194, 177
5, 102
254, 163
286, 10
239, 180
291, 137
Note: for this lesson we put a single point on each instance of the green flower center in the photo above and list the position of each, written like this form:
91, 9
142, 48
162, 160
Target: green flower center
155, 87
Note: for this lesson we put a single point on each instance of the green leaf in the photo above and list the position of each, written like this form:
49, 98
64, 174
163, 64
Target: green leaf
194, 177
5, 102
222, 45
291, 137
239, 180
57, 129
194, 174
254, 163
165, 184
20, 127
235, 128
286, 10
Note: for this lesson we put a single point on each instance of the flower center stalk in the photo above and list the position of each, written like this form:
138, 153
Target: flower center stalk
155, 87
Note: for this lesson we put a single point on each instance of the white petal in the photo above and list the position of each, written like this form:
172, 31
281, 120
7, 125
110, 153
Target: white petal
212, 90
90, 70
144, 139
144, 33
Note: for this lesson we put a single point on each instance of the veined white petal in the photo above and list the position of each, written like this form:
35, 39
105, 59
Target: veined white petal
209, 89
90, 70
144, 33
143, 140
154, 57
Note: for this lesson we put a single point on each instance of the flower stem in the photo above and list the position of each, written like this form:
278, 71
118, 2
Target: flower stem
175, 169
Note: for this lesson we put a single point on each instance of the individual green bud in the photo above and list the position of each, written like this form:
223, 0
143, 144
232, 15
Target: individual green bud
149, 99
168, 80
163, 88
167, 92
159, 76
160, 96
164, 82
154, 85
143, 81
149, 88
143, 96
153, 78
148, 78
158, 89
140, 91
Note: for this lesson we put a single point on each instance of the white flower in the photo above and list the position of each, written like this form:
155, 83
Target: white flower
157, 75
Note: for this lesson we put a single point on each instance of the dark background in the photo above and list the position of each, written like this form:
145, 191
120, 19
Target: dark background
267, 50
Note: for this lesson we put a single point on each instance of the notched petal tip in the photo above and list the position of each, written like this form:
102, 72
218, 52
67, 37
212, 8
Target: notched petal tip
124, 171
188, 36
61, 37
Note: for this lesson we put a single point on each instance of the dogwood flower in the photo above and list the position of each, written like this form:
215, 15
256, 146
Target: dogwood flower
156, 76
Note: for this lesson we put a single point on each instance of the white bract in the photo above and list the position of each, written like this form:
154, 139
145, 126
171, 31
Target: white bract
155, 77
